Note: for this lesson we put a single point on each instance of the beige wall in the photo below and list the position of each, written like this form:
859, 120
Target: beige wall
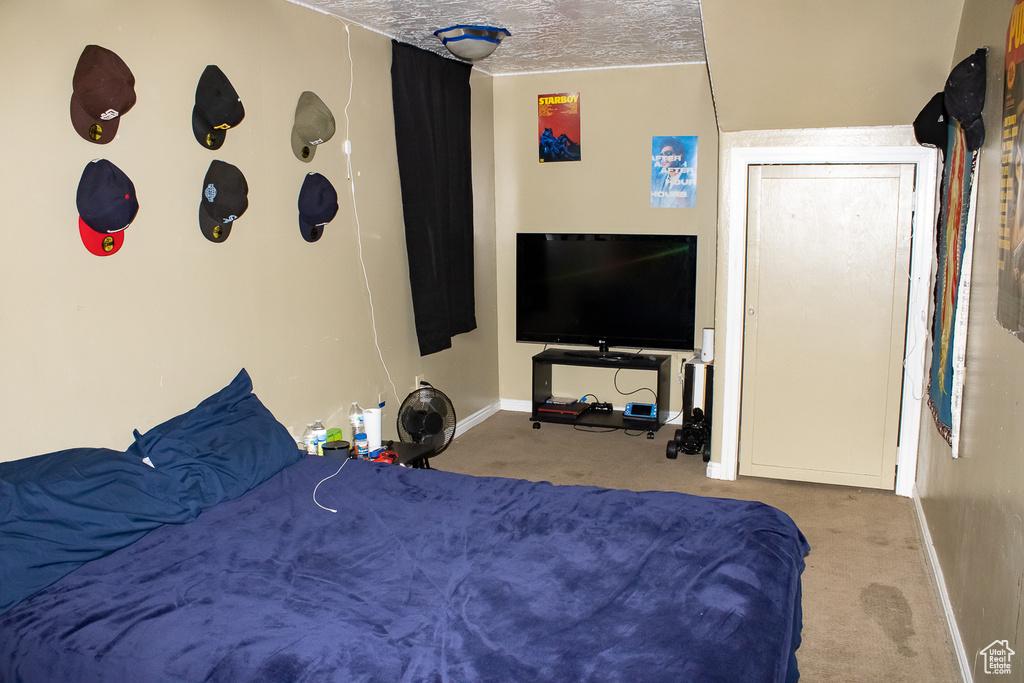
790, 64
607, 191
95, 347
974, 505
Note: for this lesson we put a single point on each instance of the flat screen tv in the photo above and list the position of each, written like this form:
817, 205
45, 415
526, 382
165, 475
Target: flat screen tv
634, 291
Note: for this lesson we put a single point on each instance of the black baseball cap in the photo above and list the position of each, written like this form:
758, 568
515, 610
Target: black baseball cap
225, 198
931, 127
965, 97
318, 205
106, 206
217, 108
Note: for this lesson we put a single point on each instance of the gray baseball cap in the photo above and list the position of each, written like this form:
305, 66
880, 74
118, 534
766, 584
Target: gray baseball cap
314, 125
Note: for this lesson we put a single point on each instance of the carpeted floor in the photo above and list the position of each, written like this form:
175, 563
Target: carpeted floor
871, 612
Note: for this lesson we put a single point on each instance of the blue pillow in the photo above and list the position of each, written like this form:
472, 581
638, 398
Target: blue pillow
62, 509
223, 447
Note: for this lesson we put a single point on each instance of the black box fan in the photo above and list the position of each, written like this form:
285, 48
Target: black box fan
427, 417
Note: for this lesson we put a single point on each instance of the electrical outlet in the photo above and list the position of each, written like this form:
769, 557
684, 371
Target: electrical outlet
419, 378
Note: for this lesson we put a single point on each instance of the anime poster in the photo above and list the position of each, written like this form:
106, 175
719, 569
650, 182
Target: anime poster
952, 286
674, 172
558, 126
1010, 302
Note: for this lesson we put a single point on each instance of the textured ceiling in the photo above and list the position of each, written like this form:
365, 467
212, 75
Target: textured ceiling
547, 35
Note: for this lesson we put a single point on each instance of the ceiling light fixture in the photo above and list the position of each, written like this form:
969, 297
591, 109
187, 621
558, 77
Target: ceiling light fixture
471, 42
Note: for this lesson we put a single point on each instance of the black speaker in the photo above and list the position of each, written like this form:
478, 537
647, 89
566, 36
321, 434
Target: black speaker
695, 435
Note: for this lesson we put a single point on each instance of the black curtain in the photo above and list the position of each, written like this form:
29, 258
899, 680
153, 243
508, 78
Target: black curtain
430, 95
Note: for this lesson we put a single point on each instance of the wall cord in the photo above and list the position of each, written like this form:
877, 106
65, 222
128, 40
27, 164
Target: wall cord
355, 209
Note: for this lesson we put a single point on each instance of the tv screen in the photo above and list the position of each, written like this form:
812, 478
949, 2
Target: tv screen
635, 291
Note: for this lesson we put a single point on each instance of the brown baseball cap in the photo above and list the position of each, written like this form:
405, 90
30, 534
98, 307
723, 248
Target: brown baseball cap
103, 91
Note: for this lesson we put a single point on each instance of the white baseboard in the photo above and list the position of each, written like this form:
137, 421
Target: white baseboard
940, 583
715, 470
516, 405
465, 424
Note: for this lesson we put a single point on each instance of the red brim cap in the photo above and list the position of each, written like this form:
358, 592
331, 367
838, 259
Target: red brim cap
100, 243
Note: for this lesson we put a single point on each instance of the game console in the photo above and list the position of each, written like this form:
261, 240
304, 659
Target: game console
574, 409
641, 411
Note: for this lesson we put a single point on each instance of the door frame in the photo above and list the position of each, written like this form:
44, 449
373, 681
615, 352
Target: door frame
730, 351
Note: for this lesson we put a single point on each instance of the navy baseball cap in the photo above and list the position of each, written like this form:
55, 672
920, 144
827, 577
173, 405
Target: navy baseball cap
217, 108
103, 90
225, 199
106, 206
318, 205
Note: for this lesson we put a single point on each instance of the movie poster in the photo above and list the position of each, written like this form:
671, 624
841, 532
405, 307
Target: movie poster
1010, 303
558, 126
674, 172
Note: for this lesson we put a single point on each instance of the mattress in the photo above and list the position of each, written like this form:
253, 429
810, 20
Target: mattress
395, 574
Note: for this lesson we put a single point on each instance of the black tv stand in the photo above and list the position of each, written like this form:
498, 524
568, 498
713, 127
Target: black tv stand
615, 419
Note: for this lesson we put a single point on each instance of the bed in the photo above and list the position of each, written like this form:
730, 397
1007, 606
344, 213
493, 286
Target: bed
217, 563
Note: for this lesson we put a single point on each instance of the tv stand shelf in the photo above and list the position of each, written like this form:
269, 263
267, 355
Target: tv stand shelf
545, 360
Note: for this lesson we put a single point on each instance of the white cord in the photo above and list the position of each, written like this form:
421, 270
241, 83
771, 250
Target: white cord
322, 481
359, 241
355, 209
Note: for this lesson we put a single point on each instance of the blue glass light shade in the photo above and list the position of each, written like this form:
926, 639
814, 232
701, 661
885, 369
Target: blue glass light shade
471, 42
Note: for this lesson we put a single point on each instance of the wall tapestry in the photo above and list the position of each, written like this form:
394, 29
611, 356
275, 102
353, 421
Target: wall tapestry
952, 122
1010, 302
954, 238
558, 126
674, 171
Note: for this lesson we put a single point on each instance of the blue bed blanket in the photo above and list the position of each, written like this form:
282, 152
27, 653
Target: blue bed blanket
423, 575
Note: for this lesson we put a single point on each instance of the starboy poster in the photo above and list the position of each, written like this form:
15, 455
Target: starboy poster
558, 126
674, 171
1010, 302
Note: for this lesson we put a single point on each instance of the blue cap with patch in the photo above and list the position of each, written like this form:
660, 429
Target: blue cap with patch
225, 199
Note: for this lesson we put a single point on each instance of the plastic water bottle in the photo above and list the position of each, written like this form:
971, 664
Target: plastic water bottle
308, 439
320, 434
356, 422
